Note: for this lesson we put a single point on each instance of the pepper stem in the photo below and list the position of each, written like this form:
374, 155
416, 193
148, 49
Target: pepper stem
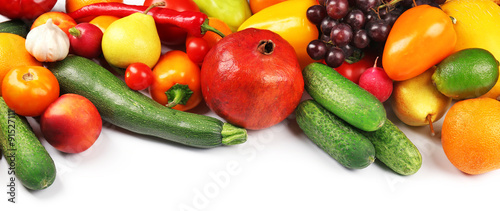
157, 4
205, 28
232, 135
178, 94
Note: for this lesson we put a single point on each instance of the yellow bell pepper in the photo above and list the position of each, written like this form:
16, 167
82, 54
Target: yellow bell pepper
288, 19
477, 26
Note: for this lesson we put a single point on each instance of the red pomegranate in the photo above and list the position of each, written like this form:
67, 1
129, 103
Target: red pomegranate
252, 79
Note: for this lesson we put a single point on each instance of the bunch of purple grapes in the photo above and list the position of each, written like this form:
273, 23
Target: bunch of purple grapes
347, 26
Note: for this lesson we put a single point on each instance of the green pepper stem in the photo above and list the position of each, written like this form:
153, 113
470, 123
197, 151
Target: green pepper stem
178, 94
232, 135
205, 28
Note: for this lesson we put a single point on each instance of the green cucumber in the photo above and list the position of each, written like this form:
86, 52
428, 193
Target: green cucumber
344, 98
16, 26
27, 158
136, 112
333, 135
394, 149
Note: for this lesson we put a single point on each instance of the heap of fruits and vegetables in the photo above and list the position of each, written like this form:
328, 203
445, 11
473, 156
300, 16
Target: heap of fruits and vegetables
331, 63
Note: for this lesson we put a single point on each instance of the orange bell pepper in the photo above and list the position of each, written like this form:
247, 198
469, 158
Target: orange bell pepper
288, 19
420, 38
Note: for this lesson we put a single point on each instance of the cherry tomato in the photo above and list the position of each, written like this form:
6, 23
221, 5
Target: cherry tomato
353, 71
420, 38
173, 35
196, 49
29, 90
60, 19
175, 68
138, 76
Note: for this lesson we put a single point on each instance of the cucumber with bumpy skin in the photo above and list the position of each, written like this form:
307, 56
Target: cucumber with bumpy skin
136, 112
394, 149
27, 158
344, 98
336, 137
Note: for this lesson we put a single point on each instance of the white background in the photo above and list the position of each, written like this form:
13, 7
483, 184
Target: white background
276, 169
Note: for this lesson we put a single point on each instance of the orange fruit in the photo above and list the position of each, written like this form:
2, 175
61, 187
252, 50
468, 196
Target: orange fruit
72, 5
13, 54
471, 135
103, 21
212, 37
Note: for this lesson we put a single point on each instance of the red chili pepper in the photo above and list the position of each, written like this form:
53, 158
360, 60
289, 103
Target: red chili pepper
195, 23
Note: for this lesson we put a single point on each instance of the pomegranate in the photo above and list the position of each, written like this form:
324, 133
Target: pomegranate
252, 79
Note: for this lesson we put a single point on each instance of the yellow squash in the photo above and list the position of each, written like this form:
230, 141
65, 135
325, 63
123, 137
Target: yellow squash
288, 19
477, 26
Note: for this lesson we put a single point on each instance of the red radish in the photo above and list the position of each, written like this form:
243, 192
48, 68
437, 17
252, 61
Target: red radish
252, 78
376, 81
85, 40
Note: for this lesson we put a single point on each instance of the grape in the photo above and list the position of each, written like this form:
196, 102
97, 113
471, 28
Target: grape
337, 9
348, 50
361, 39
378, 30
316, 13
327, 24
391, 17
366, 5
334, 57
341, 34
322, 2
316, 49
355, 18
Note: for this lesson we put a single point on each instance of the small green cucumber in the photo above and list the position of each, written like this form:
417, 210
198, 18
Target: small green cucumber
394, 149
344, 98
136, 112
333, 135
27, 158
16, 26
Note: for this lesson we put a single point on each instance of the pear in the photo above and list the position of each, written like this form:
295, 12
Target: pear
132, 39
417, 102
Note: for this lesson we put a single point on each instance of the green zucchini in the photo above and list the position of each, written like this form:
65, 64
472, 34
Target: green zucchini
27, 158
136, 112
394, 149
333, 135
344, 98
16, 26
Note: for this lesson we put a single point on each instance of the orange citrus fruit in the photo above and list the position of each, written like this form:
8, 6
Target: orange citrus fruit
13, 54
103, 21
72, 5
471, 135
212, 37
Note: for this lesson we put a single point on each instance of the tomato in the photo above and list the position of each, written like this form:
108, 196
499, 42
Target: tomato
29, 90
60, 19
353, 71
419, 39
196, 49
138, 76
173, 35
175, 68
258, 5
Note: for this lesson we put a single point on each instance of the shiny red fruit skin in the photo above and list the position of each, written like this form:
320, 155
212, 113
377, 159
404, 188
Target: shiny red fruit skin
248, 88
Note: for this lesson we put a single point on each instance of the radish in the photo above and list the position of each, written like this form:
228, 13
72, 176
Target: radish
85, 40
376, 81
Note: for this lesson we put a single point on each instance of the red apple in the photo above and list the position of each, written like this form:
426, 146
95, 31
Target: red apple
71, 124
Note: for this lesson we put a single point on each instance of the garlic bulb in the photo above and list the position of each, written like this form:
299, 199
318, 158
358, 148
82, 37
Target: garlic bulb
47, 42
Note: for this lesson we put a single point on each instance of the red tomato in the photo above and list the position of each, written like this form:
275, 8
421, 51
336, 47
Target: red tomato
196, 49
353, 71
138, 76
25, 9
29, 90
175, 68
60, 19
173, 35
